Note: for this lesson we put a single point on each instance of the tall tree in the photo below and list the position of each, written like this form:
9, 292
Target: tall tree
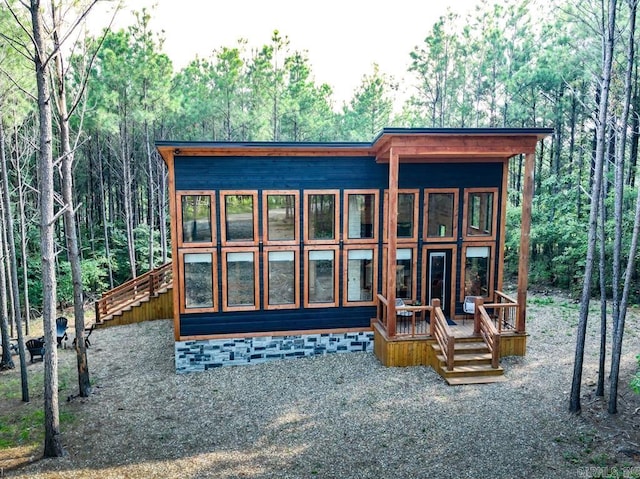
608, 34
42, 56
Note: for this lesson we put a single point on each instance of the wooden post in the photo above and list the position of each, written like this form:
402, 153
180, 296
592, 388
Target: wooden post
432, 316
477, 302
392, 232
525, 242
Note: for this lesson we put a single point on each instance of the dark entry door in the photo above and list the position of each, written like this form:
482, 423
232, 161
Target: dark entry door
439, 278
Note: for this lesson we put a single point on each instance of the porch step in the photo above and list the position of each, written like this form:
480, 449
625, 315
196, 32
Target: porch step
471, 370
461, 359
468, 347
461, 381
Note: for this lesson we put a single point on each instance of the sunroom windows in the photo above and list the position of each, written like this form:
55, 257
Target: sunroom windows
242, 250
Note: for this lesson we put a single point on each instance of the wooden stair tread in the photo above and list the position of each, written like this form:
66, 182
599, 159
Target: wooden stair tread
463, 380
471, 370
467, 357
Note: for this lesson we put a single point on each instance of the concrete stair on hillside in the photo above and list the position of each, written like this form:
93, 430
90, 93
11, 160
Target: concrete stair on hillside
471, 364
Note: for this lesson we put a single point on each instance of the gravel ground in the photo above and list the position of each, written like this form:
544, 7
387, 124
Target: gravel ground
343, 416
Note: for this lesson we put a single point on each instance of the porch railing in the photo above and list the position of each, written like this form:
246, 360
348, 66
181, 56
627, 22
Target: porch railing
442, 332
409, 325
505, 312
483, 326
144, 286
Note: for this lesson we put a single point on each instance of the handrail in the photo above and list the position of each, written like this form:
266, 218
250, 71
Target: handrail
442, 332
143, 286
382, 317
505, 311
485, 328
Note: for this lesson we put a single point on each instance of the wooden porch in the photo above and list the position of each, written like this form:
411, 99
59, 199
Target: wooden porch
465, 352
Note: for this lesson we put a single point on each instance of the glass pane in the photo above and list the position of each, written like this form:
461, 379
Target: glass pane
441, 215
281, 277
360, 275
239, 217
361, 216
321, 217
480, 214
437, 277
281, 217
196, 218
198, 280
476, 272
405, 215
404, 274
321, 277
240, 279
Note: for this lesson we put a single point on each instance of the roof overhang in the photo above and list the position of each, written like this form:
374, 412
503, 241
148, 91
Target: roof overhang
410, 144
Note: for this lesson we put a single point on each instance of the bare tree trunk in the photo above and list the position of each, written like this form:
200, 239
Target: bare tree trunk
162, 212
52, 443
601, 127
618, 313
603, 292
71, 234
105, 221
151, 198
13, 263
7, 361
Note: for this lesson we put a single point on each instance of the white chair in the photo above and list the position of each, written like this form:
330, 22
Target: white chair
469, 306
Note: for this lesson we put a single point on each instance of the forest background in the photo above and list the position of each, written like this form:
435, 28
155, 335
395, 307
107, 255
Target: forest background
507, 64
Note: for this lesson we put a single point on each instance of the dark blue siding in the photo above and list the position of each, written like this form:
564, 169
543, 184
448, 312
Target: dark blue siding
283, 320
317, 173
313, 173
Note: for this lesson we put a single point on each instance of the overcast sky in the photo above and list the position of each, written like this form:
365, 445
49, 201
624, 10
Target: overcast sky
343, 38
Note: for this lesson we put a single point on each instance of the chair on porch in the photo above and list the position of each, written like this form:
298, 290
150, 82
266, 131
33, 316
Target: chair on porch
469, 307
403, 316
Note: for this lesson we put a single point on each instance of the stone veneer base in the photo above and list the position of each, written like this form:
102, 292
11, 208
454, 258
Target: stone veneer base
201, 355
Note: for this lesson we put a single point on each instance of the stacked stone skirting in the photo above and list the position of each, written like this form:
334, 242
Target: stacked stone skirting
200, 355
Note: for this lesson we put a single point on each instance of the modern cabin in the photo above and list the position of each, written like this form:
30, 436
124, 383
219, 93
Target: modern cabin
395, 246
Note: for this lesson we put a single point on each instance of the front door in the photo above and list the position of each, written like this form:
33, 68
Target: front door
438, 278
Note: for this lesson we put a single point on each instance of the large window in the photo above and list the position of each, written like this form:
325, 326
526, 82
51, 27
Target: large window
361, 273
196, 218
198, 280
321, 216
405, 273
477, 271
407, 230
321, 278
238, 218
361, 220
281, 278
441, 214
480, 213
240, 279
281, 213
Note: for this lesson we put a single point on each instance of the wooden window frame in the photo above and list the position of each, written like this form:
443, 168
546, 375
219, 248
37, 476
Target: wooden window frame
416, 215
265, 217
223, 215
456, 212
214, 279
193, 244
414, 267
345, 277
494, 212
256, 278
296, 277
490, 263
376, 216
453, 273
336, 269
336, 214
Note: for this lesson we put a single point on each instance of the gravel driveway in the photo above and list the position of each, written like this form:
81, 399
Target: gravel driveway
342, 416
